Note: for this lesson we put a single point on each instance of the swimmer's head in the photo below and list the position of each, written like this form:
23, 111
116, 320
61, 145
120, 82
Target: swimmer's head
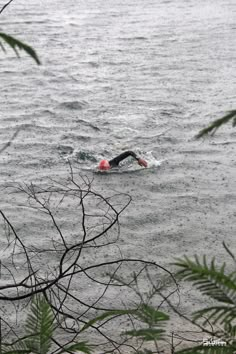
104, 165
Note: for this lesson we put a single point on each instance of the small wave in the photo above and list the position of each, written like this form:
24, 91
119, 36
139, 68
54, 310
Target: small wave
93, 64
65, 150
153, 136
85, 156
138, 38
120, 133
80, 156
87, 124
152, 161
73, 105
76, 137
47, 112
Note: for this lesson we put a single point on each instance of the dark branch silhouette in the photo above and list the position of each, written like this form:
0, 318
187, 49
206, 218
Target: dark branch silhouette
4, 7
10, 141
77, 265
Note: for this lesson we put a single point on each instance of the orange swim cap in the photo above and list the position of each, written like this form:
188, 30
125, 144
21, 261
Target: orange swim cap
104, 165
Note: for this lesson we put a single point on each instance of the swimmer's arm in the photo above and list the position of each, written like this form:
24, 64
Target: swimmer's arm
131, 153
115, 162
140, 161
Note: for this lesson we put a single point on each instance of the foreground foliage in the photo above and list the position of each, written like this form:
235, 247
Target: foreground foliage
148, 322
39, 330
231, 116
217, 321
70, 269
17, 45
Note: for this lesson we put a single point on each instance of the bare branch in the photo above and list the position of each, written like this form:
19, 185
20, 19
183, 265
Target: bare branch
7, 4
12, 138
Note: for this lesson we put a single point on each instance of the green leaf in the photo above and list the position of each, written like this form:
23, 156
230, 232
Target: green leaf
18, 347
150, 315
152, 318
146, 334
144, 313
209, 280
217, 123
82, 347
15, 44
216, 314
230, 329
39, 325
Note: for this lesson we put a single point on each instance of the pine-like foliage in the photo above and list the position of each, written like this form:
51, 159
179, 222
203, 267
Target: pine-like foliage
220, 286
15, 44
217, 123
150, 320
39, 326
39, 330
153, 320
208, 279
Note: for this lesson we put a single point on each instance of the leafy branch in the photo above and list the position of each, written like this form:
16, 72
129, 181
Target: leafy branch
209, 280
39, 328
16, 45
220, 286
218, 123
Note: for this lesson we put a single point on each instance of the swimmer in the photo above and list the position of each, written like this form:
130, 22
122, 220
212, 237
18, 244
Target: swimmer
107, 165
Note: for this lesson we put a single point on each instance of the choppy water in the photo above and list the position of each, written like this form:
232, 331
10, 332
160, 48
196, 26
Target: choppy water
114, 76
118, 75
133, 74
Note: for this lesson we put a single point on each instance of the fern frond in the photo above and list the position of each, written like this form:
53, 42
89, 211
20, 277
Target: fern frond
15, 44
17, 347
217, 123
151, 316
209, 280
153, 319
144, 313
39, 325
230, 330
216, 314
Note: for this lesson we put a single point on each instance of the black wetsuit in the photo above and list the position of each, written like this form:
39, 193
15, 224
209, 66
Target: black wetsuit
115, 162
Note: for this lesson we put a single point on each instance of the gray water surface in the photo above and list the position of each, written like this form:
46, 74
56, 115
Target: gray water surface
117, 75
114, 75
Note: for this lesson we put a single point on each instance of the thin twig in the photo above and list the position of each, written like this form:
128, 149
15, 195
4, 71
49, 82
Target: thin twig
3, 8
